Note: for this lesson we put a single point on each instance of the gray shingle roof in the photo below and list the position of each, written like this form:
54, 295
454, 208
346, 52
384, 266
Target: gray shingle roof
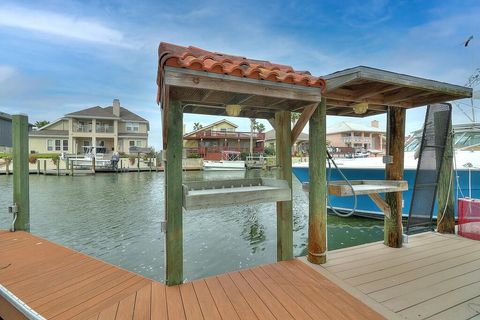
48, 133
270, 135
107, 112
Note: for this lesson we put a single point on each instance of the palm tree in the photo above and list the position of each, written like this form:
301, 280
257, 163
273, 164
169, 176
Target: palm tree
295, 116
253, 125
260, 127
197, 126
42, 123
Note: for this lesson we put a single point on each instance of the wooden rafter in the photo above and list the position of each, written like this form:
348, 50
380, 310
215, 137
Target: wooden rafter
371, 91
302, 121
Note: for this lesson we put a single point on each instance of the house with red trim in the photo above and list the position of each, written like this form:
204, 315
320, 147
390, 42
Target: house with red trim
210, 141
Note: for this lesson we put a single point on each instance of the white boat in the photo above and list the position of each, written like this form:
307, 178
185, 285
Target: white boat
230, 162
90, 154
466, 178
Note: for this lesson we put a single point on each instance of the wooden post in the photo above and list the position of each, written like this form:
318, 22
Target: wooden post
317, 209
67, 164
21, 193
38, 166
45, 166
284, 208
71, 169
445, 193
7, 166
93, 164
121, 164
394, 171
138, 162
173, 195
58, 166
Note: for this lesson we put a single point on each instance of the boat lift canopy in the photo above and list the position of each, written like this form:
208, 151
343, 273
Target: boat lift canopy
193, 80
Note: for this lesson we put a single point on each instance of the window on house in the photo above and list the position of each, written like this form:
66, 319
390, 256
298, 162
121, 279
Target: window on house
50, 144
133, 126
58, 145
223, 129
135, 143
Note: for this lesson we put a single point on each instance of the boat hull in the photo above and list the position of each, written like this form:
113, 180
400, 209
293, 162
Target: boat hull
366, 207
224, 165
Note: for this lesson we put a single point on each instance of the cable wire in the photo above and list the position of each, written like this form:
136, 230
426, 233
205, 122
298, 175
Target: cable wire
351, 212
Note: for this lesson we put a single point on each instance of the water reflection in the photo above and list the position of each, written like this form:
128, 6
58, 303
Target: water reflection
253, 231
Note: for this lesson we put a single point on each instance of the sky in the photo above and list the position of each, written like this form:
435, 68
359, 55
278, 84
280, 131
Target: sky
60, 56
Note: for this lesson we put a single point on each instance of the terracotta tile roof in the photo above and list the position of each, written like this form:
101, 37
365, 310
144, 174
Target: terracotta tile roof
198, 59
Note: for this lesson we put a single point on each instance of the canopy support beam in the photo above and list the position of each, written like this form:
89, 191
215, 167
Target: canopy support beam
317, 207
302, 121
284, 208
394, 171
173, 195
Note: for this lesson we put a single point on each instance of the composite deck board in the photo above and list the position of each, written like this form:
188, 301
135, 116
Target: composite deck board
60, 283
433, 276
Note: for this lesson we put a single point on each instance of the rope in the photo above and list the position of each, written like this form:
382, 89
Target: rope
351, 212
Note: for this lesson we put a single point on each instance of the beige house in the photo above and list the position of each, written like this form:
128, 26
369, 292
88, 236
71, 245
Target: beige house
357, 136
109, 129
300, 145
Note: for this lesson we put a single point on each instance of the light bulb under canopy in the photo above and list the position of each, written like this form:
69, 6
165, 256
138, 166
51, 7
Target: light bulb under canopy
233, 110
360, 108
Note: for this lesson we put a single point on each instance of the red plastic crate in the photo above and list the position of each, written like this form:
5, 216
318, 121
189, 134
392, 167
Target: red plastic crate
469, 218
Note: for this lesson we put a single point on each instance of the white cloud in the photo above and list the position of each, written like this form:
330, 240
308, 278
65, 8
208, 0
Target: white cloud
78, 28
6, 72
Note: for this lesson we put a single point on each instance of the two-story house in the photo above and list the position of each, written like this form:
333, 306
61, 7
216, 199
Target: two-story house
109, 129
209, 141
357, 136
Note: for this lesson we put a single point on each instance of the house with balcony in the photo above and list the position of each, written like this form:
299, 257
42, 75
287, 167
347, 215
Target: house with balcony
210, 141
359, 137
108, 129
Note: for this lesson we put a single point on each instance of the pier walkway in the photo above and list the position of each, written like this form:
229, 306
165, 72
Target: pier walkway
59, 283
434, 276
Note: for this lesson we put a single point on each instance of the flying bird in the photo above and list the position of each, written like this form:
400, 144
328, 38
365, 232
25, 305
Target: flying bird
468, 41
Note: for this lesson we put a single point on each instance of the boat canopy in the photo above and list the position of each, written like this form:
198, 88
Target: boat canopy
378, 89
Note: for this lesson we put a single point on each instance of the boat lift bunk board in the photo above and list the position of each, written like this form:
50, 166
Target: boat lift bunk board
371, 188
221, 193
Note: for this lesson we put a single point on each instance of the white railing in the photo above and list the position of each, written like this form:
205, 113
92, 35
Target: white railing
357, 139
104, 129
82, 128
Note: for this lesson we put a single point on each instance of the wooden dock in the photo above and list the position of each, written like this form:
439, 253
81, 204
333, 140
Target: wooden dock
433, 276
59, 283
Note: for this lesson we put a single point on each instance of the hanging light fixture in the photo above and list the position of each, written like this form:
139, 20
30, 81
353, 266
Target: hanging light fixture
360, 108
233, 110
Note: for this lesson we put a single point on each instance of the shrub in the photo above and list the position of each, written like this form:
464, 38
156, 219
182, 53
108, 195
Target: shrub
193, 156
132, 159
55, 158
269, 151
32, 159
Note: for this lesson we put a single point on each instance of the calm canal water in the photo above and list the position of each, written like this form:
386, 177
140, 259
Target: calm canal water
116, 218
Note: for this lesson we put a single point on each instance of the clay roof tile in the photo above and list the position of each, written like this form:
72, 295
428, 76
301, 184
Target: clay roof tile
199, 59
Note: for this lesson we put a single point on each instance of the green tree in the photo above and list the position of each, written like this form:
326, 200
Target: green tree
294, 117
260, 127
42, 123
